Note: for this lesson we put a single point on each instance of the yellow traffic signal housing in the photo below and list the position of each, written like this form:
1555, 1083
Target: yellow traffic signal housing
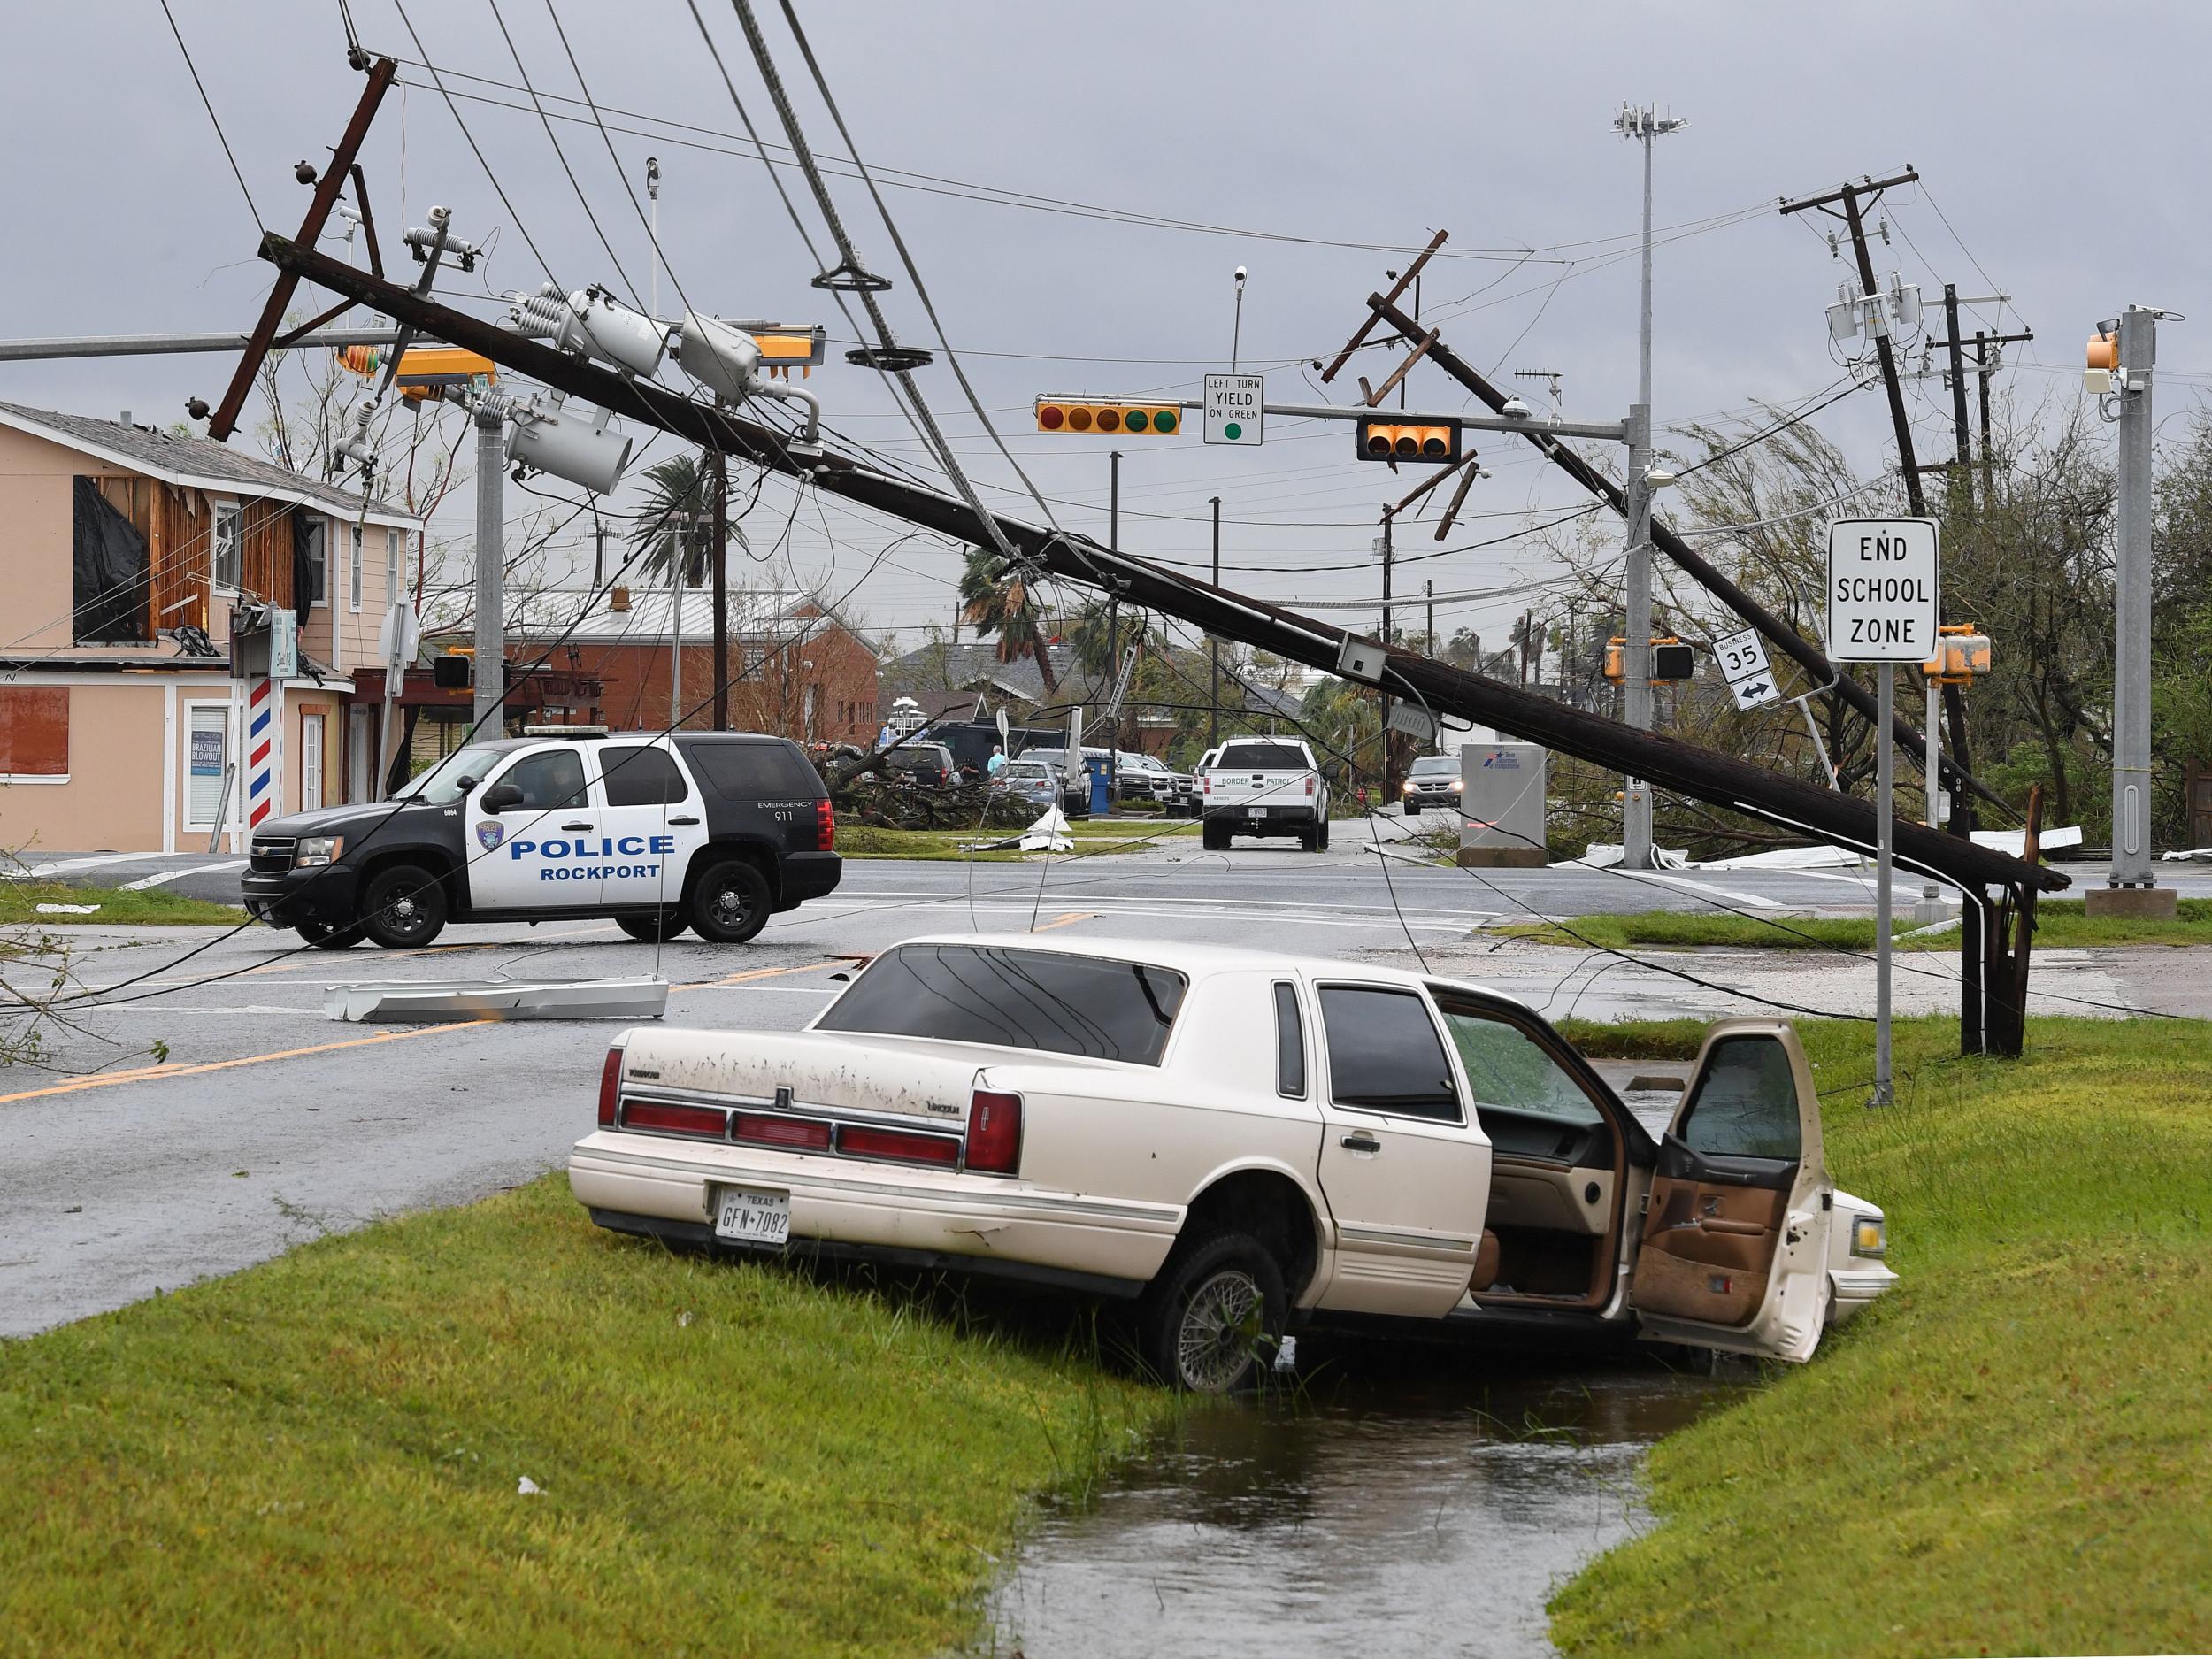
1381, 439
423, 370
788, 345
1112, 416
1670, 660
1961, 655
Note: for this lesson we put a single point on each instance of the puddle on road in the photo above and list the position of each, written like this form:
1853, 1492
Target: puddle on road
1428, 1508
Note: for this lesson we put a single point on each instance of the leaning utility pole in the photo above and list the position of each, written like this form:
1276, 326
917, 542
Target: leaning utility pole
1636, 854
1389, 783
1857, 198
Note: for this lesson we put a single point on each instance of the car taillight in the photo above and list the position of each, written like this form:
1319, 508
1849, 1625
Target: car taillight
610, 1086
1308, 783
1205, 786
856, 1142
800, 1134
994, 1132
681, 1120
825, 826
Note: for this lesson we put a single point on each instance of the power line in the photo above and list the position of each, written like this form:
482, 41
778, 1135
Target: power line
208, 104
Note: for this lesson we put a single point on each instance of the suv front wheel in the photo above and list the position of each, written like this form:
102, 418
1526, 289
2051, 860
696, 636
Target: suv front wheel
403, 907
730, 902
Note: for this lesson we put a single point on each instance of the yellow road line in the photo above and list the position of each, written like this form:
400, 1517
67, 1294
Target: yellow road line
150, 1073
1062, 921
751, 973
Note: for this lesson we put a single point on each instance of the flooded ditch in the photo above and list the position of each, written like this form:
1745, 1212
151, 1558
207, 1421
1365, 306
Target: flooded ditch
1422, 1504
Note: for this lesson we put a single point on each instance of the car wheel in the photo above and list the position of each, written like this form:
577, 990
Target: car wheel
1212, 837
324, 936
403, 907
1321, 843
652, 929
730, 903
1213, 1320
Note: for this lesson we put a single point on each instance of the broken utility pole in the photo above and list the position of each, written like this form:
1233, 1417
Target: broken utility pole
1438, 688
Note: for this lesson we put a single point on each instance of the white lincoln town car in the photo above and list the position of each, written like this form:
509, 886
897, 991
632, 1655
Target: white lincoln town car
1242, 1142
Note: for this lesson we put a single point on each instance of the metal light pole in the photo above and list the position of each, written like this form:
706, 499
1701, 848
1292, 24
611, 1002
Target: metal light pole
1113, 624
1213, 641
491, 574
2130, 888
1645, 125
653, 190
678, 552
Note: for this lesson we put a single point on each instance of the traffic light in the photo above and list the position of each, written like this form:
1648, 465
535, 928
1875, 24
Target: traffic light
1670, 660
1385, 439
1112, 416
452, 671
1961, 655
423, 369
788, 345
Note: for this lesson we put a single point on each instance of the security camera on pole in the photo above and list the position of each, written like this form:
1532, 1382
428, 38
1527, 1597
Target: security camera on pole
1884, 598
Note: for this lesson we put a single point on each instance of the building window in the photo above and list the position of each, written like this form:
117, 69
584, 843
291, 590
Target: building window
207, 763
34, 733
229, 548
318, 562
353, 581
395, 558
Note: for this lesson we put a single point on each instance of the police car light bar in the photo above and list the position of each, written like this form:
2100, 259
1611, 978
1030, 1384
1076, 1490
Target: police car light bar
565, 731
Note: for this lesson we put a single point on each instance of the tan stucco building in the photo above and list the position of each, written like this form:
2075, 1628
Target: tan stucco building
123, 549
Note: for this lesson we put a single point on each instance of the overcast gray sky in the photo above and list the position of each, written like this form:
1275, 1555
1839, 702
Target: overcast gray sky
2060, 148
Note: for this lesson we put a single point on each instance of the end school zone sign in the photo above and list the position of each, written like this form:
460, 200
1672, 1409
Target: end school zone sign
1883, 590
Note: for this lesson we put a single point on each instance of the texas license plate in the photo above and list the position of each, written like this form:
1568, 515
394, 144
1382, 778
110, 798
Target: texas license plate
744, 1216
1256, 811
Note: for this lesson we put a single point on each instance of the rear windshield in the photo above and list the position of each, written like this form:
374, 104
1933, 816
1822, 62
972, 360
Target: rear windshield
1015, 998
772, 770
1263, 757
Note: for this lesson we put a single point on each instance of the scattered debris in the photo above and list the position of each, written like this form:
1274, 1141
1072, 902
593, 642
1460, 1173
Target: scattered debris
66, 909
527, 1487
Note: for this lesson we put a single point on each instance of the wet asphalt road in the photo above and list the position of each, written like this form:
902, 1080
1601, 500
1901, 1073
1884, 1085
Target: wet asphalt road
269, 1122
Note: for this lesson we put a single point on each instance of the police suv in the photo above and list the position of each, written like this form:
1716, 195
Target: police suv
711, 831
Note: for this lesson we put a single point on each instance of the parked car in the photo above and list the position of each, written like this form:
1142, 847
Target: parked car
709, 831
1241, 1143
1034, 782
1149, 778
1432, 780
1263, 785
929, 765
1076, 800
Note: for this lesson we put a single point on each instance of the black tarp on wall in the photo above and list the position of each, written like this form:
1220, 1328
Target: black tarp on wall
112, 571
303, 531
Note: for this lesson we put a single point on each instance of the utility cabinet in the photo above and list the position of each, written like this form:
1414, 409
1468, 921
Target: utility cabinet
1501, 805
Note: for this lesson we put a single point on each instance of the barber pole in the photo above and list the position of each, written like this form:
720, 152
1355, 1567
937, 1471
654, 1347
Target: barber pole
262, 705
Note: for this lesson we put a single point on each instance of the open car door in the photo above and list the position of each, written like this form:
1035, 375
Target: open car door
1735, 1236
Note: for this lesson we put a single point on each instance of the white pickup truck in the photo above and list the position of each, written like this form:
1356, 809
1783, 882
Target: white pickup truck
1242, 1142
1263, 785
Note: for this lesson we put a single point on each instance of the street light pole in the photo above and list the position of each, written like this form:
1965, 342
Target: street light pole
1636, 852
1113, 626
491, 572
1213, 641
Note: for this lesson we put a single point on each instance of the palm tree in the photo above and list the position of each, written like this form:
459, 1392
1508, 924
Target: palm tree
995, 599
677, 509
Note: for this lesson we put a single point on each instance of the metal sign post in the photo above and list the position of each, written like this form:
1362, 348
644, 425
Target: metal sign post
1883, 605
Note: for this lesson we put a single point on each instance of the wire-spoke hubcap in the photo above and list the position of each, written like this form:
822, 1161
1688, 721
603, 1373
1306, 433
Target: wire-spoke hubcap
1219, 1329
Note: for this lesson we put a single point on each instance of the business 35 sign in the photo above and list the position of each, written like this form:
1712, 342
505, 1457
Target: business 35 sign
1883, 590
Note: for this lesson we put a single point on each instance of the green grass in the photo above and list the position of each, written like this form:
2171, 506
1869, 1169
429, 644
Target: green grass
19, 901
320, 1455
2008, 1453
862, 841
2060, 923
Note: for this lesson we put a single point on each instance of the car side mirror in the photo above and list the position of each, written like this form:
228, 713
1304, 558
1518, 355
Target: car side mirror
465, 783
502, 798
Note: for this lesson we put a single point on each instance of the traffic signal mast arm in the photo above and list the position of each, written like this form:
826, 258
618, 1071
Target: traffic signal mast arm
1543, 434
1683, 767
